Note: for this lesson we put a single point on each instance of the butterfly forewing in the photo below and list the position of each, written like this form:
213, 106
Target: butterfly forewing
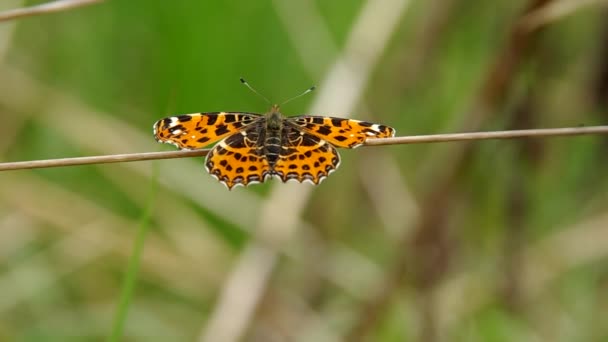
341, 132
192, 131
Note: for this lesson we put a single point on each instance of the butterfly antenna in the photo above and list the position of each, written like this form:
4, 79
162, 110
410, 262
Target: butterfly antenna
255, 91
304, 93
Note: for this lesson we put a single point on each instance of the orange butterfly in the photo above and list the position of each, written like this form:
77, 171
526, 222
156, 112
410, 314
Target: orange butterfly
254, 147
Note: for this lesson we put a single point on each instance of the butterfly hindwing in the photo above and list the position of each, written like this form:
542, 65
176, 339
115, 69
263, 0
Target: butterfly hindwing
341, 132
192, 131
305, 157
239, 159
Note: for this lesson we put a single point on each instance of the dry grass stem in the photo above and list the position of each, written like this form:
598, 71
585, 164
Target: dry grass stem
513, 134
115, 158
414, 139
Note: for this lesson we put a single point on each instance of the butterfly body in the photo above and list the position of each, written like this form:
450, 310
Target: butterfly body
273, 138
253, 147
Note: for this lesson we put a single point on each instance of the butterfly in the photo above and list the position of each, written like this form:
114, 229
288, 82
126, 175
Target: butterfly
253, 147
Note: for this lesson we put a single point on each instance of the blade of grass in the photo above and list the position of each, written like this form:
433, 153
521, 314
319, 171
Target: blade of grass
130, 279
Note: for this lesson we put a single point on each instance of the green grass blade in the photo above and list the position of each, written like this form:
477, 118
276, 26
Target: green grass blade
130, 279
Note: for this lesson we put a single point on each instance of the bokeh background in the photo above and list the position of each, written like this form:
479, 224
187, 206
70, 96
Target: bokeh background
477, 241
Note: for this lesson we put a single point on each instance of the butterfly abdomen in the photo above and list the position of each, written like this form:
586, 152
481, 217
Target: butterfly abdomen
272, 140
272, 147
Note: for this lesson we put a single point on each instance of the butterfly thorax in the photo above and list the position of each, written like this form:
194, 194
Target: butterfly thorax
272, 140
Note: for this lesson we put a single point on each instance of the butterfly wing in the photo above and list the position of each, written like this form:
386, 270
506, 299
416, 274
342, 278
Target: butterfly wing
193, 131
341, 132
305, 157
239, 158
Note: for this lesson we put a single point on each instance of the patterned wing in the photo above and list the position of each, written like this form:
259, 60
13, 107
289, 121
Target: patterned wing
305, 157
192, 131
239, 159
341, 132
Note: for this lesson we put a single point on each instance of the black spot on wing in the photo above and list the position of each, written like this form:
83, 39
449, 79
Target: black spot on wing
238, 124
236, 141
325, 130
365, 124
203, 140
221, 130
337, 122
184, 118
309, 140
211, 119
175, 128
387, 130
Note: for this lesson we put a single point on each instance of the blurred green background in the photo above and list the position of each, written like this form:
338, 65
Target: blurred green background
484, 241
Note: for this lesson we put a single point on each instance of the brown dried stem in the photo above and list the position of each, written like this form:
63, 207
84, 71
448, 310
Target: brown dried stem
114, 158
413, 139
